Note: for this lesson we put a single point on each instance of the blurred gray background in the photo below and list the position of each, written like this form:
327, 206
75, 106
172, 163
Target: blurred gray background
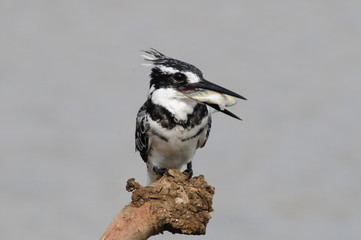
71, 83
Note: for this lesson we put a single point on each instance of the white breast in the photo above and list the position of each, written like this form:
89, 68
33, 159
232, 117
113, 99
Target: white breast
180, 146
174, 101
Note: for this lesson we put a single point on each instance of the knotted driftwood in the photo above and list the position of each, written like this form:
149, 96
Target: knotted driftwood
174, 203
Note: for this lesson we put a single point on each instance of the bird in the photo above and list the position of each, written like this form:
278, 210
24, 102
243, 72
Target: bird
175, 120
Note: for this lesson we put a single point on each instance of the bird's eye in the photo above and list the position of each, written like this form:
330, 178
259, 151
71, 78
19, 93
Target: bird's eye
179, 76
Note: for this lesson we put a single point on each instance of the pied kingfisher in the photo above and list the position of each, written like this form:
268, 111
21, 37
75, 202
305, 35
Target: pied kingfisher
175, 120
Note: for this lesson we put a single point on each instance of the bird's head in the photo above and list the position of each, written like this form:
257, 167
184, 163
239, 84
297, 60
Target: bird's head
186, 78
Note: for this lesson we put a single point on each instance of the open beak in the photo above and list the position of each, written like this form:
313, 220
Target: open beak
213, 95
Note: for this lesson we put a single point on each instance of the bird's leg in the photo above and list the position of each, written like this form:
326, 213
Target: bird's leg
189, 170
159, 171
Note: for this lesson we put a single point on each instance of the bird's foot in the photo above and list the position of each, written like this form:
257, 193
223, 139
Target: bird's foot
189, 170
159, 171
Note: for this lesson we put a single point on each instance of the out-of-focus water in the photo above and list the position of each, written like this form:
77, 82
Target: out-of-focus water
71, 83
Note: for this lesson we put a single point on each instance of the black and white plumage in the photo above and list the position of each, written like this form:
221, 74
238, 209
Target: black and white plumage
175, 120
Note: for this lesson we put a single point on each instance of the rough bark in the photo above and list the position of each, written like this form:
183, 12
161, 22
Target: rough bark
174, 203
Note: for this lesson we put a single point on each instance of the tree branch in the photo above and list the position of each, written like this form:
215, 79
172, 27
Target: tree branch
173, 203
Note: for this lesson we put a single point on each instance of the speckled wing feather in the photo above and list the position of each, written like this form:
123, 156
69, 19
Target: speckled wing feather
141, 133
204, 141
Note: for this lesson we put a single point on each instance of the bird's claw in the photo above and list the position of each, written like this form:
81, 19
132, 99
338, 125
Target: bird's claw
159, 171
188, 172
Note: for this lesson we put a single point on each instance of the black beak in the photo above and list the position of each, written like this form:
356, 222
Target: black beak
204, 84
225, 111
214, 87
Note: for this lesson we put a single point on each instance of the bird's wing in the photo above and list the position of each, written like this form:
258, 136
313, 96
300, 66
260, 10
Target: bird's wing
141, 133
203, 140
